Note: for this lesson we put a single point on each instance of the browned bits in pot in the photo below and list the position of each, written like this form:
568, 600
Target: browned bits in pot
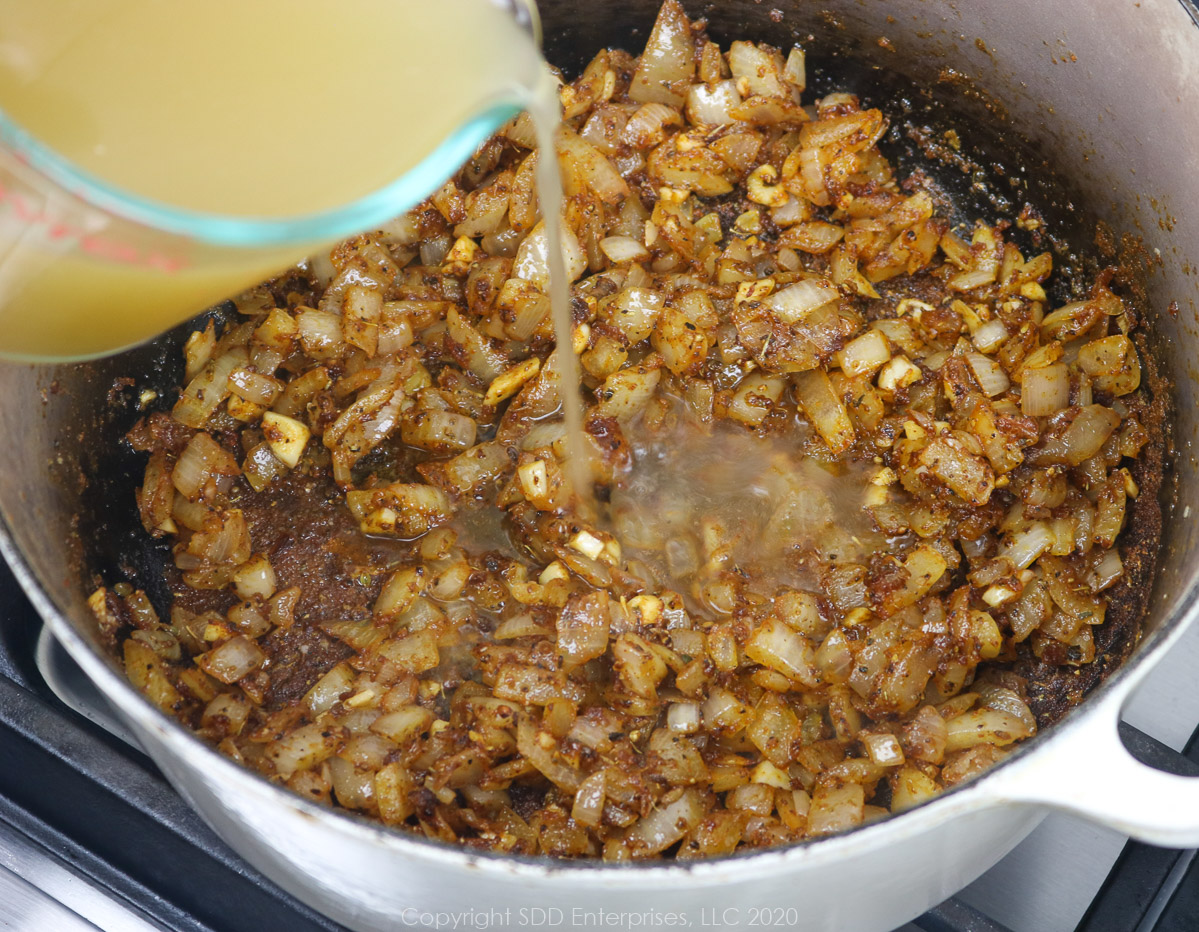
853, 467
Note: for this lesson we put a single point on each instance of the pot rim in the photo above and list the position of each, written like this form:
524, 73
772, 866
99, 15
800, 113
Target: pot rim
983, 792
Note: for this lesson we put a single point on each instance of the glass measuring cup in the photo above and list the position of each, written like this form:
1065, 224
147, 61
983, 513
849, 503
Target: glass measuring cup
87, 268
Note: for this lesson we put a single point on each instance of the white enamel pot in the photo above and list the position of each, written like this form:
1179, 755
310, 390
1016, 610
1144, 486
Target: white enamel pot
1109, 93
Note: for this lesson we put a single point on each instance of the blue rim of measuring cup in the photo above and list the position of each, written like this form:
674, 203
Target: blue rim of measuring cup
365, 213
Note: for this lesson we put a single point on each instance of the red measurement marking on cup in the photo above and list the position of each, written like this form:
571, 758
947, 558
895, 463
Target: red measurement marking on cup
57, 230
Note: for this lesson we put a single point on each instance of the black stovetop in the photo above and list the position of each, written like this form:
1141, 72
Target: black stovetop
101, 808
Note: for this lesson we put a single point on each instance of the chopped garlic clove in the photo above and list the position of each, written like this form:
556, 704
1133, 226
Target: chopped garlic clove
286, 436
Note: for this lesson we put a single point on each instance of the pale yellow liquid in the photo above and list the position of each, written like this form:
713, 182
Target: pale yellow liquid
267, 109
780, 511
544, 111
255, 108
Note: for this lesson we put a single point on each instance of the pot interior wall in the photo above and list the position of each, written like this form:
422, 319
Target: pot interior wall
1048, 110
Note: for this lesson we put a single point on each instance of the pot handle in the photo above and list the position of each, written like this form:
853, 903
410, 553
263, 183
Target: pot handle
1091, 773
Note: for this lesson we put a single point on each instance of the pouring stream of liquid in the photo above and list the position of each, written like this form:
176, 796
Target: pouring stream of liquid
543, 108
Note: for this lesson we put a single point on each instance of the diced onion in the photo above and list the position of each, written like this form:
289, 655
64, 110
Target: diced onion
795, 70
712, 105
329, 689
404, 724
834, 658
985, 726
1045, 391
622, 249
864, 354
441, 431
251, 386
776, 646
588, 805
665, 825
234, 659
1106, 571
583, 628
1026, 546
991, 376
1088, 432
835, 808
225, 539
523, 625
646, 127
207, 390
884, 749
592, 168
990, 335
319, 331
669, 58
531, 748
725, 712
758, 67
795, 302
203, 460
824, 409
532, 258
302, 748
684, 717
